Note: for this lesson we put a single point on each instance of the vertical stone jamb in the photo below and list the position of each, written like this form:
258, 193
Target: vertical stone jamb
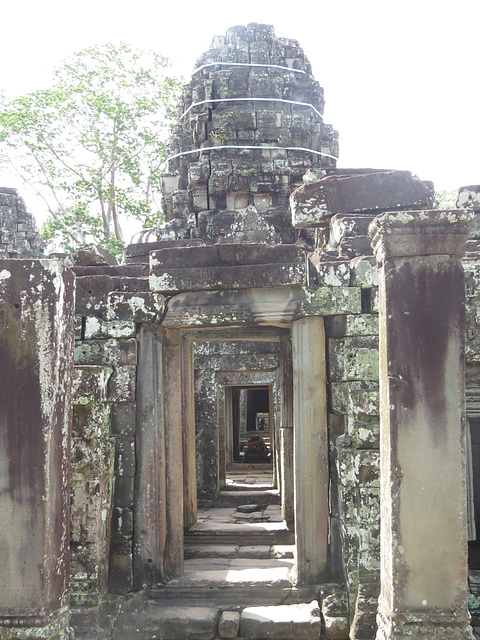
422, 424
36, 355
310, 449
285, 383
172, 373
189, 465
150, 482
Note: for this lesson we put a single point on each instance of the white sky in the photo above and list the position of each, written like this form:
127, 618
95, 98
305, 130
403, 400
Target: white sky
401, 77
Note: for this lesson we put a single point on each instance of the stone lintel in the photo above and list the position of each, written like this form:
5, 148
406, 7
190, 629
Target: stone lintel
420, 233
227, 277
277, 306
227, 266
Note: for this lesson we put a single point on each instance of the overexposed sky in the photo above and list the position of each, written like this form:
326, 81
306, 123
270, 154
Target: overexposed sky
401, 77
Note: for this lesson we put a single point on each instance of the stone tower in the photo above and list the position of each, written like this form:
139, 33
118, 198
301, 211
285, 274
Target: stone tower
250, 125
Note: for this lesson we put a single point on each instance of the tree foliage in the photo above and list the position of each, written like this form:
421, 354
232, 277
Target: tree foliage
93, 145
446, 199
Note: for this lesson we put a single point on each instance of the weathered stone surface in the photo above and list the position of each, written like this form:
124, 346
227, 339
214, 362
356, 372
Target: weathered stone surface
121, 385
364, 272
97, 329
228, 179
19, 237
111, 352
422, 398
327, 272
420, 233
472, 301
301, 621
228, 624
335, 612
310, 449
230, 266
167, 623
270, 306
354, 358
90, 255
90, 383
36, 349
312, 204
355, 398
469, 197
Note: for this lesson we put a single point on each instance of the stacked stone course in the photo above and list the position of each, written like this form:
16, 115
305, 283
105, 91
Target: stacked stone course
253, 99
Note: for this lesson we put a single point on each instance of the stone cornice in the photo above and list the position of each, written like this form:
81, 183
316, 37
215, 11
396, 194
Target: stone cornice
402, 234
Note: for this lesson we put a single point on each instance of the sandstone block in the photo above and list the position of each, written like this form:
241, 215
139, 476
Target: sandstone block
348, 225
90, 383
354, 247
328, 273
167, 623
121, 385
354, 358
312, 204
97, 329
364, 272
469, 197
355, 397
106, 352
229, 624
283, 622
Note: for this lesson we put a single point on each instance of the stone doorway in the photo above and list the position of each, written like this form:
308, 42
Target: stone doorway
168, 431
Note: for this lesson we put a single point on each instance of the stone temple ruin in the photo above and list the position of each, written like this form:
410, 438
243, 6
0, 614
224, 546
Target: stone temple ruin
266, 422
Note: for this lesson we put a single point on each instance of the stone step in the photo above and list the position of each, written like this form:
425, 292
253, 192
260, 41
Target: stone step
246, 485
207, 620
247, 533
282, 622
239, 551
239, 578
233, 498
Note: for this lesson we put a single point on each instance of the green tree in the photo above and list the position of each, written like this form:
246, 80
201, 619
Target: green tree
93, 145
446, 199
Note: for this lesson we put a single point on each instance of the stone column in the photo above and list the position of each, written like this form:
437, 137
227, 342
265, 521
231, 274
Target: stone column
172, 375
422, 407
36, 373
150, 528
285, 383
310, 449
189, 469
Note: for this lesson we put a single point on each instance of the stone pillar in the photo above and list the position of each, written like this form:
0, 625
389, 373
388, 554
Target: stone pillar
189, 469
310, 449
285, 383
150, 516
36, 373
422, 408
172, 374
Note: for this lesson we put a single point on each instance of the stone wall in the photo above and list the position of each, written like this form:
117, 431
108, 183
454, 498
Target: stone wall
110, 303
